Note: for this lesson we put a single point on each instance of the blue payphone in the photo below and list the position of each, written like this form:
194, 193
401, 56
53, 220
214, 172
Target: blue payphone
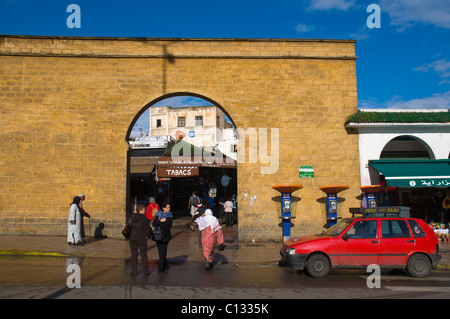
369, 198
332, 201
286, 207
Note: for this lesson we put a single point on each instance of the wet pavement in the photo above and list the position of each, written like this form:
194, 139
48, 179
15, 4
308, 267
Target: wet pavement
44, 277
36, 267
184, 247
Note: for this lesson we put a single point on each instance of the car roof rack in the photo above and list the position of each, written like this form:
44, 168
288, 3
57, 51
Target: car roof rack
387, 211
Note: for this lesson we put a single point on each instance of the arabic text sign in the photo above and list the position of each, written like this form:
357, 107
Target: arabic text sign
429, 182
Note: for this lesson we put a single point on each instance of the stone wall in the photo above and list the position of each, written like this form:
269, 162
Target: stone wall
67, 105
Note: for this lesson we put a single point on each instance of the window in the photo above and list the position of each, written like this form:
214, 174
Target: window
158, 123
394, 229
416, 229
363, 229
337, 228
181, 121
218, 121
199, 121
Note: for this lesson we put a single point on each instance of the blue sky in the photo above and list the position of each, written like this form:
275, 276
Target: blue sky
403, 64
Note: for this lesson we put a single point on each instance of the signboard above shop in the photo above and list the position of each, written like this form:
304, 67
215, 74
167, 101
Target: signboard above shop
414, 173
185, 160
178, 171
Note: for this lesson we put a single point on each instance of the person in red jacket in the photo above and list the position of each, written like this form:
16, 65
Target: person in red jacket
152, 209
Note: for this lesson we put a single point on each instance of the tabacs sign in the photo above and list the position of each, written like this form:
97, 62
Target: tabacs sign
178, 171
306, 171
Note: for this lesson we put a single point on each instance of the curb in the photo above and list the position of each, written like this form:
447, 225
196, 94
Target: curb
13, 252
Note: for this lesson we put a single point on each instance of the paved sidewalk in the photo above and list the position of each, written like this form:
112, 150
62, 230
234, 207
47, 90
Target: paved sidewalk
185, 247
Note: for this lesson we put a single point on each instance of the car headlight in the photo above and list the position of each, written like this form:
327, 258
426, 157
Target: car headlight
290, 251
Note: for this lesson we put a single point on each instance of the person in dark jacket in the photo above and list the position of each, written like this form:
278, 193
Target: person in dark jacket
163, 219
140, 232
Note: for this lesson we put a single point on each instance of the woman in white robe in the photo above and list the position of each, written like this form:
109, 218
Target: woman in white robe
74, 224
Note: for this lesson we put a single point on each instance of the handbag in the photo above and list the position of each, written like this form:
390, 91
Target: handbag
127, 230
157, 234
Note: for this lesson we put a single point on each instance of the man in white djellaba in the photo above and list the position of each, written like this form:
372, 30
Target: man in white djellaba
74, 224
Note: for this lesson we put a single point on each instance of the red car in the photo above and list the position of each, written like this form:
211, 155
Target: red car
406, 243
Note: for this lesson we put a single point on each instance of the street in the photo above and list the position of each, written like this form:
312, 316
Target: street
47, 278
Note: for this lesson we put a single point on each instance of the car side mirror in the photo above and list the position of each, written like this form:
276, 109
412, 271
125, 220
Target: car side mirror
345, 237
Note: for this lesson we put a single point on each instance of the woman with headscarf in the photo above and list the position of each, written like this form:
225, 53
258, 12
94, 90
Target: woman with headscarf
74, 224
211, 233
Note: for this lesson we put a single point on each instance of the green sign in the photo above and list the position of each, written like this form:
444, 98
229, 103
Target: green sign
306, 171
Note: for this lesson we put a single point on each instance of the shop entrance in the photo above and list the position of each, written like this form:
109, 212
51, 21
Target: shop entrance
414, 178
178, 144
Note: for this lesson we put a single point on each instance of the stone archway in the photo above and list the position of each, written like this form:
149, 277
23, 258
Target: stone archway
216, 124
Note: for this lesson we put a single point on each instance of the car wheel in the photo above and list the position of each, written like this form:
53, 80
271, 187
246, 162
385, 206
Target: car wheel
419, 266
318, 266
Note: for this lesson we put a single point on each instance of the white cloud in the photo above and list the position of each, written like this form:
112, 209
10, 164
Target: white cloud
436, 101
442, 67
342, 5
406, 13
362, 34
304, 28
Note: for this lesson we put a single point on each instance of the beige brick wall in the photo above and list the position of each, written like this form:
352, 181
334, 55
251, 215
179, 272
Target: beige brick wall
67, 104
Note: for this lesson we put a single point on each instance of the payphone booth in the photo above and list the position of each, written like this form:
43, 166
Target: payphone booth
286, 207
332, 201
369, 199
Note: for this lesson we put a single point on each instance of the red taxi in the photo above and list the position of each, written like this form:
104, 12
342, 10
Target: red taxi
389, 242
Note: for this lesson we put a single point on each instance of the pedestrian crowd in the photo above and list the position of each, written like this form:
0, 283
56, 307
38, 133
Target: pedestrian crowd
155, 222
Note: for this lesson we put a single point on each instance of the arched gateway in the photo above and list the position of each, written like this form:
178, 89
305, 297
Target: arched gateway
67, 103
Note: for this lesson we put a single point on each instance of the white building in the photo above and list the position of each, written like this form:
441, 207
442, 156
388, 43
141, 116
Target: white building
203, 126
399, 134
407, 151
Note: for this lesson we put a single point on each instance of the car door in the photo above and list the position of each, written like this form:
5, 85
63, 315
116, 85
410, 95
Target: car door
396, 242
359, 246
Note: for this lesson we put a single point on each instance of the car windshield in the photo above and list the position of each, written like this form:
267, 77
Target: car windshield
338, 228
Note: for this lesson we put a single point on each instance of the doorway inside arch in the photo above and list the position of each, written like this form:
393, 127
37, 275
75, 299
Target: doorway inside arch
178, 145
405, 147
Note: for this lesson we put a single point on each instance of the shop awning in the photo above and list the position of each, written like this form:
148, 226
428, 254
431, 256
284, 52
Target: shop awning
414, 173
185, 160
189, 166
142, 164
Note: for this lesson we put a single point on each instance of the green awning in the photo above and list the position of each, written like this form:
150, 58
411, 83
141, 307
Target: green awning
414, 173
